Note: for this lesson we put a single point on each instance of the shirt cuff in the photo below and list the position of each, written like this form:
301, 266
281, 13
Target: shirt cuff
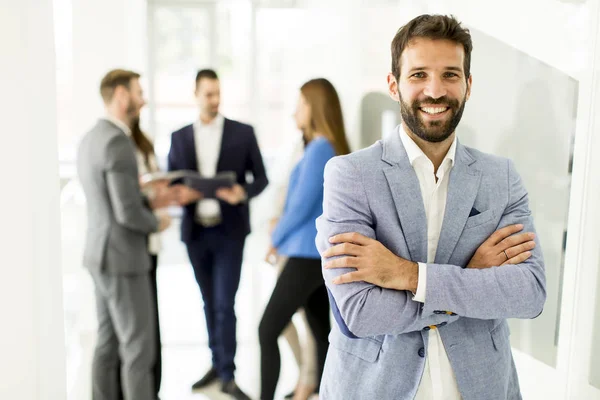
422, 284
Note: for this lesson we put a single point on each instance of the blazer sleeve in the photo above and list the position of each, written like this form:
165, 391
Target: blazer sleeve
508, 291
254, 164
306, 195
123, 186
362, 309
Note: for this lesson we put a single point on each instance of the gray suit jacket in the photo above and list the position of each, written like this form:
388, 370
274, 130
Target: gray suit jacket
379, 342
118, 218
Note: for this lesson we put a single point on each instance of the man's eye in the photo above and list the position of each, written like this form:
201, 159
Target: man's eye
450, 75
419, 75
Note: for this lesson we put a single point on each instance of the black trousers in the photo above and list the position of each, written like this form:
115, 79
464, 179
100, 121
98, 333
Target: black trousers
157, 369
299, 285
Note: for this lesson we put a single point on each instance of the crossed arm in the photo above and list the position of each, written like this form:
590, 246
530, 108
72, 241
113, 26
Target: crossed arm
371, 287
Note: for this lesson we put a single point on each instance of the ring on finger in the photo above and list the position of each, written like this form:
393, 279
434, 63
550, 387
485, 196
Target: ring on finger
507, 257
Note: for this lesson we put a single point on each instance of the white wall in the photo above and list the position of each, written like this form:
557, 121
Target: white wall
31, 339
106, 34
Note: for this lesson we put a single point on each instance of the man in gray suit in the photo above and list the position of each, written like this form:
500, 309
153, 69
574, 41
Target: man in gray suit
119, 218
420, 284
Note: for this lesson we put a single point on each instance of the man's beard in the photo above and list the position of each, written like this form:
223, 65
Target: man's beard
432, 131
212, 112
132, 113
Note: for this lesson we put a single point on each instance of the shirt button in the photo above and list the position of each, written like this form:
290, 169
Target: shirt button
422, 352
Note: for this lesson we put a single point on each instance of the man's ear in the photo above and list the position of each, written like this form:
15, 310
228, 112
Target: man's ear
120, 94
393, 87
469, 84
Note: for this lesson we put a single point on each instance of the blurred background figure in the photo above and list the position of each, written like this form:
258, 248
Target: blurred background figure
120, 218
147, 163
319, 117
214, 230
303, 347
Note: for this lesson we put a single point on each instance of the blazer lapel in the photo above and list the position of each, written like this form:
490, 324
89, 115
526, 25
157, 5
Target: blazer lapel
406, 193
462, 190
225, 139
190, 143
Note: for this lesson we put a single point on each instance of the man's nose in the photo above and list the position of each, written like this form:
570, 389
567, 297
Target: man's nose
435, 88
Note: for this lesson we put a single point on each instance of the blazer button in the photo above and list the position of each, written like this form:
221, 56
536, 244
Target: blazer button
442, 323
439, 312
422, 352
426, 328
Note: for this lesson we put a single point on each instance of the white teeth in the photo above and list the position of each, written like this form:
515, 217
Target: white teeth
433, 110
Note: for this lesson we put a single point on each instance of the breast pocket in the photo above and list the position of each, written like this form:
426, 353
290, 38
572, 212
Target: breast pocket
480, 219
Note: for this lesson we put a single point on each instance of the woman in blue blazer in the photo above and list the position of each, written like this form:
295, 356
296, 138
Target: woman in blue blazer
319, 117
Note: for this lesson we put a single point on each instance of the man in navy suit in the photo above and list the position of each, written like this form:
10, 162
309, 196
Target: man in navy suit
214, 230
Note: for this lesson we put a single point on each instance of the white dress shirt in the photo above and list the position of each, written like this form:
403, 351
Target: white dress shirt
208, 139
438, 381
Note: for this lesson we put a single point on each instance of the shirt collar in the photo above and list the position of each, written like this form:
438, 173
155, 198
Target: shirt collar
217, 122
414, 152
120, 124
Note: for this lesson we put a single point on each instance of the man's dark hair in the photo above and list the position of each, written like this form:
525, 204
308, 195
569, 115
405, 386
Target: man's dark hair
206, 73
113, 79
432, 27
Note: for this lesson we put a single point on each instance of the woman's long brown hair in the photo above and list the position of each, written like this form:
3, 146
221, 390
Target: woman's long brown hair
326, 114
143, 144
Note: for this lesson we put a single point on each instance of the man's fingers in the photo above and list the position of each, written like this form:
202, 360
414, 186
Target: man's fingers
342, 262
348, 249
354, 276
351, 237
515, 240
518, 259
521, 248
503, 233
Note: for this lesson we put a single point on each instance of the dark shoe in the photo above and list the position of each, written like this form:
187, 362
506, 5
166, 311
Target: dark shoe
210, 377
232, 389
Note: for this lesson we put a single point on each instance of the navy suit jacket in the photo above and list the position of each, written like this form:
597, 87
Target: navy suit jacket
240, 154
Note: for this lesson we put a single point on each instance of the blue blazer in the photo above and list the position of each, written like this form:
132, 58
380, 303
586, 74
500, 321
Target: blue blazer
381, 335
295, 233
239, 153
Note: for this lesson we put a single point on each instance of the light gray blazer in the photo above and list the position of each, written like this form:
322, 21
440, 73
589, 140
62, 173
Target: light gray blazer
379, 343
118, 218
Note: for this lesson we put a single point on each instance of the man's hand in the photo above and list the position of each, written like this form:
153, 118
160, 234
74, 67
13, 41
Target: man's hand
373, 262
504, 247
185, 195
234, 195
161, 195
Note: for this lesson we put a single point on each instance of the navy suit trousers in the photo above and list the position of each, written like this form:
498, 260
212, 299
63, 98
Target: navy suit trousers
217, 262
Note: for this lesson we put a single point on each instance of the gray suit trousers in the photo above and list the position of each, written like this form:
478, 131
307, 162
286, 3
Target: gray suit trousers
125, 334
